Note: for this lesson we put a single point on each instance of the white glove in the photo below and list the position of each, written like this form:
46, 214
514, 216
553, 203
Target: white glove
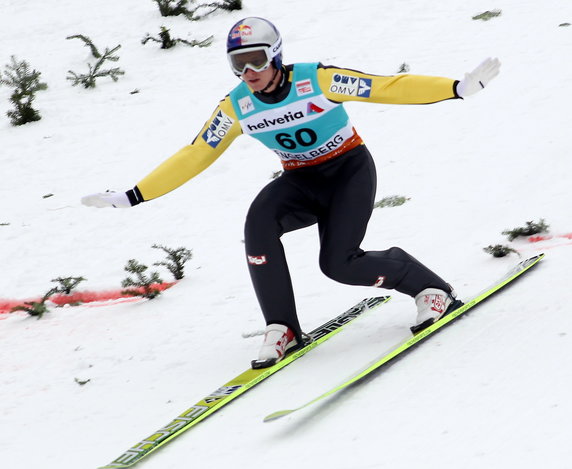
107, 199
478, 78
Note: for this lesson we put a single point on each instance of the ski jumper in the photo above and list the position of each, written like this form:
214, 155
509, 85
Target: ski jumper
329, 178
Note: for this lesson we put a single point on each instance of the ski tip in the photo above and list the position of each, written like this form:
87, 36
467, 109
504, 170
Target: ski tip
538, 257
531, 261
277, 415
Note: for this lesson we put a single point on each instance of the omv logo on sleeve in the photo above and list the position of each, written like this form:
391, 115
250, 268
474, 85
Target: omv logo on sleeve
350, 86
364, 87
217, 129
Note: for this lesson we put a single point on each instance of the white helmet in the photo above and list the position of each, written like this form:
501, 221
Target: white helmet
253, 43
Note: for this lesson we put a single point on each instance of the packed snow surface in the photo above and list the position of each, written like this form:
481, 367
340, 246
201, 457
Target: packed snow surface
492, 391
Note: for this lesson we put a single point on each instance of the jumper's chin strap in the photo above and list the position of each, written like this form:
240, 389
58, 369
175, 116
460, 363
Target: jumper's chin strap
276, 70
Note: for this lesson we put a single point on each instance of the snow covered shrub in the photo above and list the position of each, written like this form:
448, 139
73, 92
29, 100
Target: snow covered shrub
176, 260
499, 250
95, 71
172, 7
531, 228
391, 201
228, 5
142, 285
167, 42
487, 15
179, 7
26, 84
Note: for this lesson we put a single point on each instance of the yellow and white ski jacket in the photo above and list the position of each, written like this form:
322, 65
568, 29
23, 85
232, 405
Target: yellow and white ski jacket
306, 127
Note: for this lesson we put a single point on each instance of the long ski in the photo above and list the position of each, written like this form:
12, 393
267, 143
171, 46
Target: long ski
510, 276
235, 388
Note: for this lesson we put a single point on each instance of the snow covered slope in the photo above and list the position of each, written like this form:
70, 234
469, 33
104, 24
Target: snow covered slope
493, 391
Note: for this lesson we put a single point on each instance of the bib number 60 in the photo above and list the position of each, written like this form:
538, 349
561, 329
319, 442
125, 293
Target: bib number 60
302, 137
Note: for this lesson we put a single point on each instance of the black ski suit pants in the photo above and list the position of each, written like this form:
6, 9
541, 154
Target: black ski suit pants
338, 195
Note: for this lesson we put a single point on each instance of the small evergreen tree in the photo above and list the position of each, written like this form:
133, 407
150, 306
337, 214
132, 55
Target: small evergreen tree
36, 308
143, 285
88, 43
26, 84
167, 42
531, 228
176, 259
39, 308
67, 284
95, 71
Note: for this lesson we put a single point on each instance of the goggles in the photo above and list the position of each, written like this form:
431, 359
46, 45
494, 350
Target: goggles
257, 59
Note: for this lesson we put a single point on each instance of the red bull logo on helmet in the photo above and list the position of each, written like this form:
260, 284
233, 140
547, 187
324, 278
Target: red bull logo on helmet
239, 32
